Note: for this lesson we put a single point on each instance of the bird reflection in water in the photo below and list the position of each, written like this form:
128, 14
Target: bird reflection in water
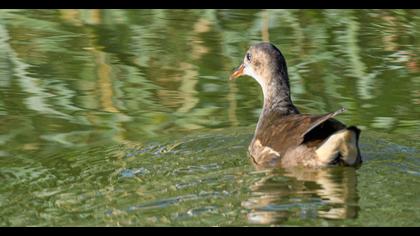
329, 193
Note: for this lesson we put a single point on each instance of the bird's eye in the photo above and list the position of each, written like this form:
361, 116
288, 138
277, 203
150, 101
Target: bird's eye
248, 56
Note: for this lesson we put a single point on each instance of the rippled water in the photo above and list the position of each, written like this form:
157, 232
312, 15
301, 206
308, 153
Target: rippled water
126, 117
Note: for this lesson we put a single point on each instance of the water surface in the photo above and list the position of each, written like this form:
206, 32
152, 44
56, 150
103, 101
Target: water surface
126, 117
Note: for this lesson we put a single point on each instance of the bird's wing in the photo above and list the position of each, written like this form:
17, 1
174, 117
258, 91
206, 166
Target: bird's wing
290, 131
317, 120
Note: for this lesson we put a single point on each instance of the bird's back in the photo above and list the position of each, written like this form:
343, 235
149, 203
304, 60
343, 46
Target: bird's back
299, 132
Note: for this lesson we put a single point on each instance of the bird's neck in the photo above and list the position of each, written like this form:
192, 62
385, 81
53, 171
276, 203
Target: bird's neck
277, 97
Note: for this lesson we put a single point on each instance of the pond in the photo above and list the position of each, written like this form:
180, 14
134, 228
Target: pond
127, 117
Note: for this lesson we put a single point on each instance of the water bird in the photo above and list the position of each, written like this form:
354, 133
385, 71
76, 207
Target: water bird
284, 137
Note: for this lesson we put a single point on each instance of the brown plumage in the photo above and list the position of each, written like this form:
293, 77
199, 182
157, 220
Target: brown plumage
283, 136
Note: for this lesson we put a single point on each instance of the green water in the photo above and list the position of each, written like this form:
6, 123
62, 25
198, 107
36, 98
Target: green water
126, 117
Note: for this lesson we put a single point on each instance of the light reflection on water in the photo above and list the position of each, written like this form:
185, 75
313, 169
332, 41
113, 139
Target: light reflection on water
306, 194
126, 117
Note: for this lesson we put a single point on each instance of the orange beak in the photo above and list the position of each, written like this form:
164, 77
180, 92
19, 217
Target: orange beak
237, 72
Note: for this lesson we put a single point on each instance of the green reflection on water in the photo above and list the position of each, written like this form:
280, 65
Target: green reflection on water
126, 117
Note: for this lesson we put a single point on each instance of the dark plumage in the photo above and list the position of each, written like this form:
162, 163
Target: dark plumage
283, 136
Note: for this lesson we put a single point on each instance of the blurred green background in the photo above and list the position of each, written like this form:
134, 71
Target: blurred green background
102, 110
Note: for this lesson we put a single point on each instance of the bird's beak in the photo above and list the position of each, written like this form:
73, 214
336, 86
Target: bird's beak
237, 72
